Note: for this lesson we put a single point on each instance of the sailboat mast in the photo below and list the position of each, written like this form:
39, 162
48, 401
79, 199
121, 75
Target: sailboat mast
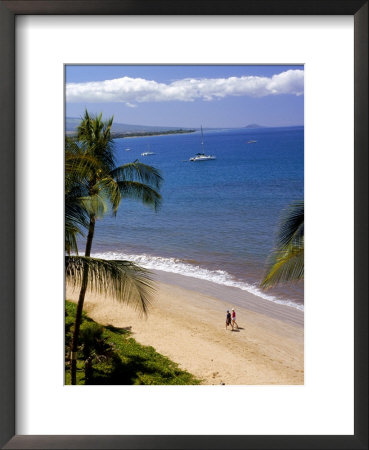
202, 139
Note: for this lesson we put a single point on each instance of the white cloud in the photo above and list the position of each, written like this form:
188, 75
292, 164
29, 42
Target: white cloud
138, 90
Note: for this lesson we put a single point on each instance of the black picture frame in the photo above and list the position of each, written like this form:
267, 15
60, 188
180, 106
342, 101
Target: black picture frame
8, 11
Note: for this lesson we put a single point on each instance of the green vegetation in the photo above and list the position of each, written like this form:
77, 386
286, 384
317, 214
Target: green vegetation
108, 355
129, 134
94, 185
286, 263
149, 133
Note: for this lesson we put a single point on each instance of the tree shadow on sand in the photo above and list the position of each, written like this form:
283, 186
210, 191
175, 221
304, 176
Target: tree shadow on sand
124, 330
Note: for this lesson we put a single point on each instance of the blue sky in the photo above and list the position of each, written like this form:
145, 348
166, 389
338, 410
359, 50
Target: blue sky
187, 96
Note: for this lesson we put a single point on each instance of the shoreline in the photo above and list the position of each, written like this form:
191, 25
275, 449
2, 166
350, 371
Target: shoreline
178, 271
236, 296
160, 133
123, 135
186, 323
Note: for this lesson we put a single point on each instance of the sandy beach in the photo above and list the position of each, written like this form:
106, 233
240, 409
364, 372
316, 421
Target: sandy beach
186, 322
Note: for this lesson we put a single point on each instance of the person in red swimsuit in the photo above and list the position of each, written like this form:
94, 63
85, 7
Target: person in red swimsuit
234, 319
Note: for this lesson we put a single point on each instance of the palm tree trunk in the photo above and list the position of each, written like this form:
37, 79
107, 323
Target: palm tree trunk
81, 299
90, 236
77, 324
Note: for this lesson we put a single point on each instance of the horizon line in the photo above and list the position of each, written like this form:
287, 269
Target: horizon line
197, 127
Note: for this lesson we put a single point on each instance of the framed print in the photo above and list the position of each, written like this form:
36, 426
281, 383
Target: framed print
194, 278
192, 78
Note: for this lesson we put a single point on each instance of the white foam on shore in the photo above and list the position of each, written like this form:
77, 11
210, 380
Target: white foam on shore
177, 266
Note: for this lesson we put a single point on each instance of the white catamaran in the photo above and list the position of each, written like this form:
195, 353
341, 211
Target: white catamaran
148, 153
201, 156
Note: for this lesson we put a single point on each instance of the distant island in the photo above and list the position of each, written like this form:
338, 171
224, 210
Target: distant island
254, 125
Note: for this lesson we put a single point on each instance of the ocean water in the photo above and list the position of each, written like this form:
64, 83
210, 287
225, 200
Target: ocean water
218, 218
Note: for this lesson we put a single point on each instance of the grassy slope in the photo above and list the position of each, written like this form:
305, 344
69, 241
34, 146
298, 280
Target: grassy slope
130, 363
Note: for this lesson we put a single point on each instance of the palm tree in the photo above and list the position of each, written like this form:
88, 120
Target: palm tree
108, 183
101, 184
286, 263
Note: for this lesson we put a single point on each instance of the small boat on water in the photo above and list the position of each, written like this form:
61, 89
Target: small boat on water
202, 156
148, 152
128, 149
251, 142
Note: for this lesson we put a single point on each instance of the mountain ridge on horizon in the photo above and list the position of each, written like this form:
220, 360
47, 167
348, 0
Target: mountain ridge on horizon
71, 124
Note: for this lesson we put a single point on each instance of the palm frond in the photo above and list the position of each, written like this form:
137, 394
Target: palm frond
122, 280
74, 210
71, 232
291, 228
137, 171
288, 265
138, 191
95, 205
80, 165
109, 188
286, 262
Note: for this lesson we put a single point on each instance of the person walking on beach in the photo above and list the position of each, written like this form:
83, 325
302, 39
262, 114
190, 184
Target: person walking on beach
233, 323
228, 320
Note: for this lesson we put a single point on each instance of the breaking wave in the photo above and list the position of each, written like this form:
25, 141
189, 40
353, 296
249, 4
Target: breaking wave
174, 265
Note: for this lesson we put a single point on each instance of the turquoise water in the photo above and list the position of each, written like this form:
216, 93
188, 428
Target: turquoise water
218, 218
